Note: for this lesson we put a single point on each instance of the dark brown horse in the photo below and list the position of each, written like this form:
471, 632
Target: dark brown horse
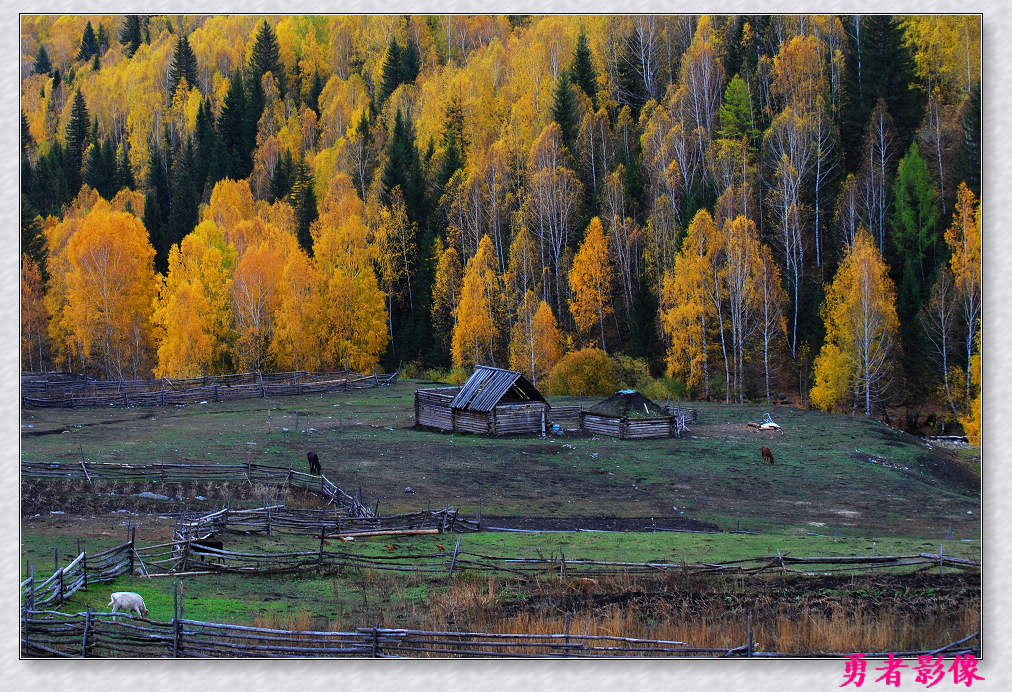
314, 463
767, 456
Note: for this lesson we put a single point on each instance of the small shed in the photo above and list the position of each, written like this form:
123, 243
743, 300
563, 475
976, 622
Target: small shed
493, 401
628, 415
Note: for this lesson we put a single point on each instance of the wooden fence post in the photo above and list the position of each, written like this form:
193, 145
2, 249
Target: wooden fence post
269, 521
133, 531
322, 534
375, 641
84, 568
175, 620
565, 651
84, 639
453, 562
748, 647
56, 558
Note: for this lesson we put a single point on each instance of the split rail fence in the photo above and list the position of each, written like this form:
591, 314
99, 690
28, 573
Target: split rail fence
317, 522
185, 473
46, 632
89, 634
61, 390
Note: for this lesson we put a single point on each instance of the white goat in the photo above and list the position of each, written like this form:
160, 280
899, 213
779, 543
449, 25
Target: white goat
128, 601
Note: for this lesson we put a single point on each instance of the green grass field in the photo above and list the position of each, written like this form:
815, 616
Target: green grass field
822, 480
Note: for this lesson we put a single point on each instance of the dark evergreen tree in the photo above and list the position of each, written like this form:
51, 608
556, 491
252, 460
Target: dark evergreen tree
968, 160
76, 142
33, 242
564, 109
57, 79
391, 76
96, 64
731, 48
254, 109
42, 64
204, 143
878, 65
27, 141
631, 90
130, 34
582, 69
185, 198
643, 338
89, 43
303, 199
266, 57
48, 188
232, 130
403, 168
124, 171
453, 137
96, 174
315, 89
157, 205
409, 65
184, 65
283, 178
103, 40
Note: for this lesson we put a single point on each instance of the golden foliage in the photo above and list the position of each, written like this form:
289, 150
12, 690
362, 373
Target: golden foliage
861, 331
111, 286
587, 372
192, 314
590, 280
476, 328
535, 341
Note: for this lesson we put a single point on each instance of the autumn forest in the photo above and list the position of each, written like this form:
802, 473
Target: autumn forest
768, 208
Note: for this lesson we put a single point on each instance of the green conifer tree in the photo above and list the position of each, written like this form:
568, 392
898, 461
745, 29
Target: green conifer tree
266, 57
42, 64
76, 141
564, 109
582, 68
89, 43
391, 76
184, 66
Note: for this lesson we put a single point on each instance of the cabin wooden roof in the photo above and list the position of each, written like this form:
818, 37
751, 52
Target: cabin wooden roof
488, 386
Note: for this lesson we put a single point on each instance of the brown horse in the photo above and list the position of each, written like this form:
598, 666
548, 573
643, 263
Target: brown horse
767, 456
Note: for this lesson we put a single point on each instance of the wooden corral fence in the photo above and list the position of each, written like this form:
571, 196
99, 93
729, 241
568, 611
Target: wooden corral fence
76, 575
67, 391
48, 633
316, 522
183, 473
178, 556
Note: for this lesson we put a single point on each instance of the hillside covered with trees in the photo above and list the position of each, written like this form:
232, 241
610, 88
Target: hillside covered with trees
733, 207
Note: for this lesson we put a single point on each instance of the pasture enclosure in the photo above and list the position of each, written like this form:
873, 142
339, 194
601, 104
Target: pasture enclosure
174, 473
91, 634
64, 390
492, 402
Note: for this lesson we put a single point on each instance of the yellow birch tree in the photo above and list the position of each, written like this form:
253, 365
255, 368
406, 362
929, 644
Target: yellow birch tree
590, 280
861, 331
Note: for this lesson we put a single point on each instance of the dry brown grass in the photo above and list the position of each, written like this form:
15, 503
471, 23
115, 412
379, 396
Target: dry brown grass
814, 624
